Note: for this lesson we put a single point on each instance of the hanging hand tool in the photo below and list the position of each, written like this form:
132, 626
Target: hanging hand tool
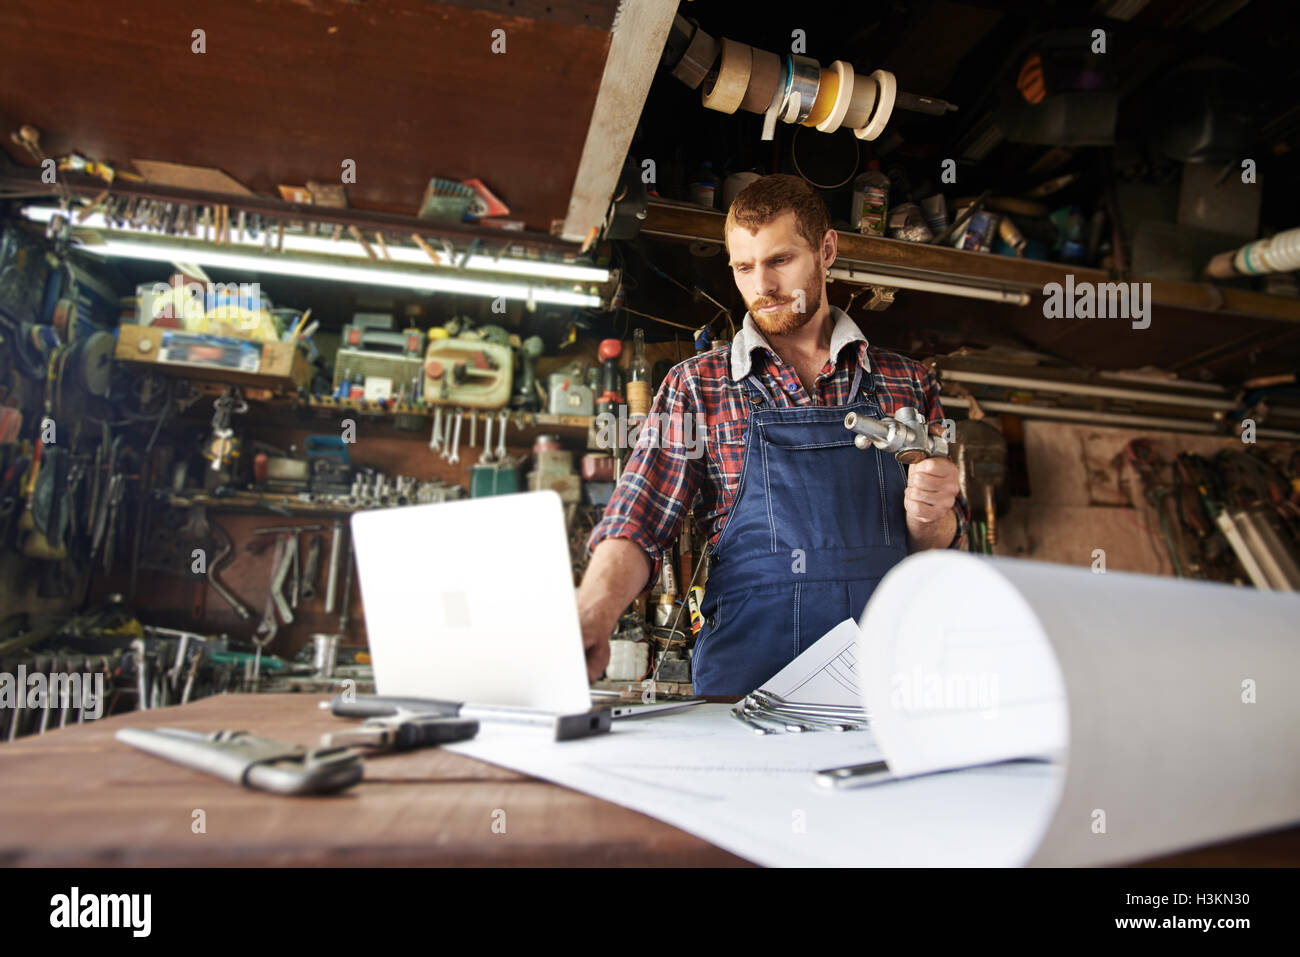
116, 491
270, 624
455, 441
504, 418
281, 574
223, 448
347, 594
227, 548
311, 568
104, 490
332, 579
435, 437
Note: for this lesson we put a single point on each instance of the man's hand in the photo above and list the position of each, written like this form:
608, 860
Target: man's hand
932, 489
616, 574
595, 642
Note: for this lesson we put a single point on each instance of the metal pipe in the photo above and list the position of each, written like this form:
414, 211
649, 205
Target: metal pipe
1014, 297
1113, 418
1084, 388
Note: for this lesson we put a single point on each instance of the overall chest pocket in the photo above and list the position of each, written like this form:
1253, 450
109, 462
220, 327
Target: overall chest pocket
813, 433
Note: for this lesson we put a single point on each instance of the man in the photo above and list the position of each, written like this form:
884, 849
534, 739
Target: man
802, 524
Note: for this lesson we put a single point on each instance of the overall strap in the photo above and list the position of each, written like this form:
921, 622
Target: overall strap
857, 382
755, 384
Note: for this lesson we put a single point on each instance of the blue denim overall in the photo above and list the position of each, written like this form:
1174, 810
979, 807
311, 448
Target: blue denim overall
815, 525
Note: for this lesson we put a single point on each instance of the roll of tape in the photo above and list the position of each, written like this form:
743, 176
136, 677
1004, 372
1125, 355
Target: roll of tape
862, 102
805, 80
884, 106
764, 75
724, 89
733, 184
700, 55
778, 100
827, 90
843, 96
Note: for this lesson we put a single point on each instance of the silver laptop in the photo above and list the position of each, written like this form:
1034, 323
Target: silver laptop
473, 601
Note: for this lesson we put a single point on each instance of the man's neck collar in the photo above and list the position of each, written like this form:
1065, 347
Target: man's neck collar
749, 337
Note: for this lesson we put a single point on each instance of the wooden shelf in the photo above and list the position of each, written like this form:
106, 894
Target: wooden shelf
686, 223
283, 504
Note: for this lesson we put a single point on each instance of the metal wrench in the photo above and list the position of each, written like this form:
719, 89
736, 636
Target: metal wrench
486, 457
435, 440
281, 573
504, 417
227, 547
455, 441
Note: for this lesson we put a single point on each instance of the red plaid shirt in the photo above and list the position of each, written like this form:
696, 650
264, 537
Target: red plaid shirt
682, 468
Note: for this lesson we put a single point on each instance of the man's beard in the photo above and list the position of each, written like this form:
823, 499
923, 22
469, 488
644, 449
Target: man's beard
785, 320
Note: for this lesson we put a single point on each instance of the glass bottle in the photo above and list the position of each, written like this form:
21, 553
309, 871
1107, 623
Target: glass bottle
638, 384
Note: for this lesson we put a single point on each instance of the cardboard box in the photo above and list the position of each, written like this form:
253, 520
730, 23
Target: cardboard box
277, 365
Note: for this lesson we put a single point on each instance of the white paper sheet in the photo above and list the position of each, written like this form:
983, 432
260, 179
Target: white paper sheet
1172, 709
1174, 704
826, 673
754, 795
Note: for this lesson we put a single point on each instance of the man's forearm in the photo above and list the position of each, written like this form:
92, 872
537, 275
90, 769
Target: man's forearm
922, 537
618, 571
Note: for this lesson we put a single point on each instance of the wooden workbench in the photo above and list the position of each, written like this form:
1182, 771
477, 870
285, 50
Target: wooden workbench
78, 797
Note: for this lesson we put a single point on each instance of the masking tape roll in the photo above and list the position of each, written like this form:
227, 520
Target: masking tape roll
724, 90
862, 102
884, 106
843, 96
764, 75
828, 88
701, 53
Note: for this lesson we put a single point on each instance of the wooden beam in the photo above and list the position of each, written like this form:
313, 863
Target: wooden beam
640, 32
688, 223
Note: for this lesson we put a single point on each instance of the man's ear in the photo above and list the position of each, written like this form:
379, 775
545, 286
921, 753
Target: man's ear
830, 247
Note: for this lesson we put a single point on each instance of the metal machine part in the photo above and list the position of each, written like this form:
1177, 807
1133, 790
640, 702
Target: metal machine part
981, 457
906, 435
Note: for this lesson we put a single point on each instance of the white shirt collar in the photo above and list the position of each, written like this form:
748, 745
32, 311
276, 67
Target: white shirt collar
750, 337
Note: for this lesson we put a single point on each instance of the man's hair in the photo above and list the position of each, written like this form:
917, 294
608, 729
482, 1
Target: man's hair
767, 198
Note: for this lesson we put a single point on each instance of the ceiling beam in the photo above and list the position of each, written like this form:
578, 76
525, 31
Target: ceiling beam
636, 45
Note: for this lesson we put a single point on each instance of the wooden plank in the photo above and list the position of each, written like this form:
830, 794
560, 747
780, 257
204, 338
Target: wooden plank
690, 223
640, 32
200, 178
77, 797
